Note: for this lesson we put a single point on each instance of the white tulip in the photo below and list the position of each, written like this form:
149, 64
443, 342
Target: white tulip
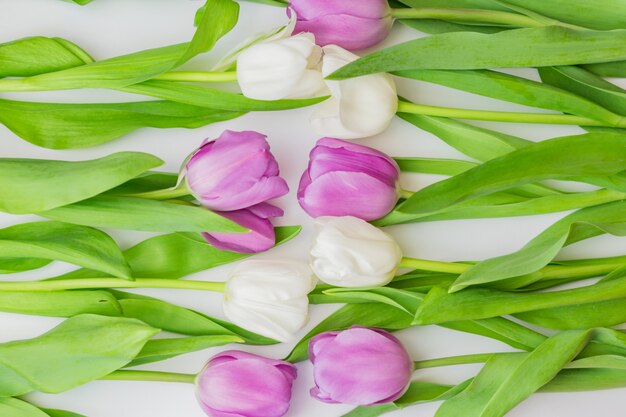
358, 107
269, 297
281, 68
350, 252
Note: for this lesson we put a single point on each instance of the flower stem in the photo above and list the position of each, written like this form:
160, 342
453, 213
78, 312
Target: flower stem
500, 116
434, 266
150, 376
166, 194
453, 360
198, 76
467, 15
94, 283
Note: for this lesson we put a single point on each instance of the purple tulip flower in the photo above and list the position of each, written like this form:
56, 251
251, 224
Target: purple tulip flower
235, 171
345, 179
261, 236
351, 24
359, 366
240, 384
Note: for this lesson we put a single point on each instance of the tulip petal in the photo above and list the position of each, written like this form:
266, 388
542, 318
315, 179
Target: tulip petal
309, 9
350, 32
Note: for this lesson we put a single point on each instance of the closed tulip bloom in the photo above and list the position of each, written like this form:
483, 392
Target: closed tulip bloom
358, 107
351, 24
281, 68
346, 179
359, 366
240, 384
269, 297
349, 252
235, 171
261, 236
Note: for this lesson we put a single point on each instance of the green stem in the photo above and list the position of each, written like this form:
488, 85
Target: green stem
467, 16
406, 194
500, 116
198, 76
94, 283
434, 266
166, 194
150, 376
453, 360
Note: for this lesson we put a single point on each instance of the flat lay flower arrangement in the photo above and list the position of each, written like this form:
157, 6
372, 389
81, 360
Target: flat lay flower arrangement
558, 320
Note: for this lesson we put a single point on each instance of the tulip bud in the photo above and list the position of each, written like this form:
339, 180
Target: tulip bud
235, 171
261, 236
349, 252
358, 107
351, 24
269, 297
282, 68
345, 179
359, 366
242, 384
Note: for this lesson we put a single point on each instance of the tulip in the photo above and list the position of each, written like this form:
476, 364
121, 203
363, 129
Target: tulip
351, 24
240, 384
281, 68
269, 297
358, 107
349, 252
359, 366
345, 179
261, 236
235, 171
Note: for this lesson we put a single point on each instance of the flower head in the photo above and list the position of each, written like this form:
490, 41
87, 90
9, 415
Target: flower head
240, 384
346, 179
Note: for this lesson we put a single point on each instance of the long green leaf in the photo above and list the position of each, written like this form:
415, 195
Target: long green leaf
591, 221
60, 413
13, 407
586, 84
60, 303
534, 47
162, 349
38, 55
69, 126
608, 69
517, 90
79, 350
592, 155
176, 255
208, 97
508, 379
601, 314
140, 66
78, 245
141, 214
34, 185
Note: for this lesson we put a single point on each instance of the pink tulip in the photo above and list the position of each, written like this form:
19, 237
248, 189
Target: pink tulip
240, 384
261, 236
235, 171
351, 24
345, 179
359, 366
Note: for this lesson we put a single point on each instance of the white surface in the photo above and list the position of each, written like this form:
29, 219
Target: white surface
112, 27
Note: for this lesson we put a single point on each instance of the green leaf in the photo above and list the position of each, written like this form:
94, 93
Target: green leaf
78, 245
517, 90
508, 379
608, 69
69, 126
588, 156
60, 303
533, 47
60, 413
142, 214
162, 349
439, 306
13, 265
588, 222
79, 350
34, 185
586, 84
435, 166
208, 97
174, 256
139, 66
38, 55
13, 407
583, 316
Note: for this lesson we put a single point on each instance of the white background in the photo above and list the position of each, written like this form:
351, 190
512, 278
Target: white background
107, 28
